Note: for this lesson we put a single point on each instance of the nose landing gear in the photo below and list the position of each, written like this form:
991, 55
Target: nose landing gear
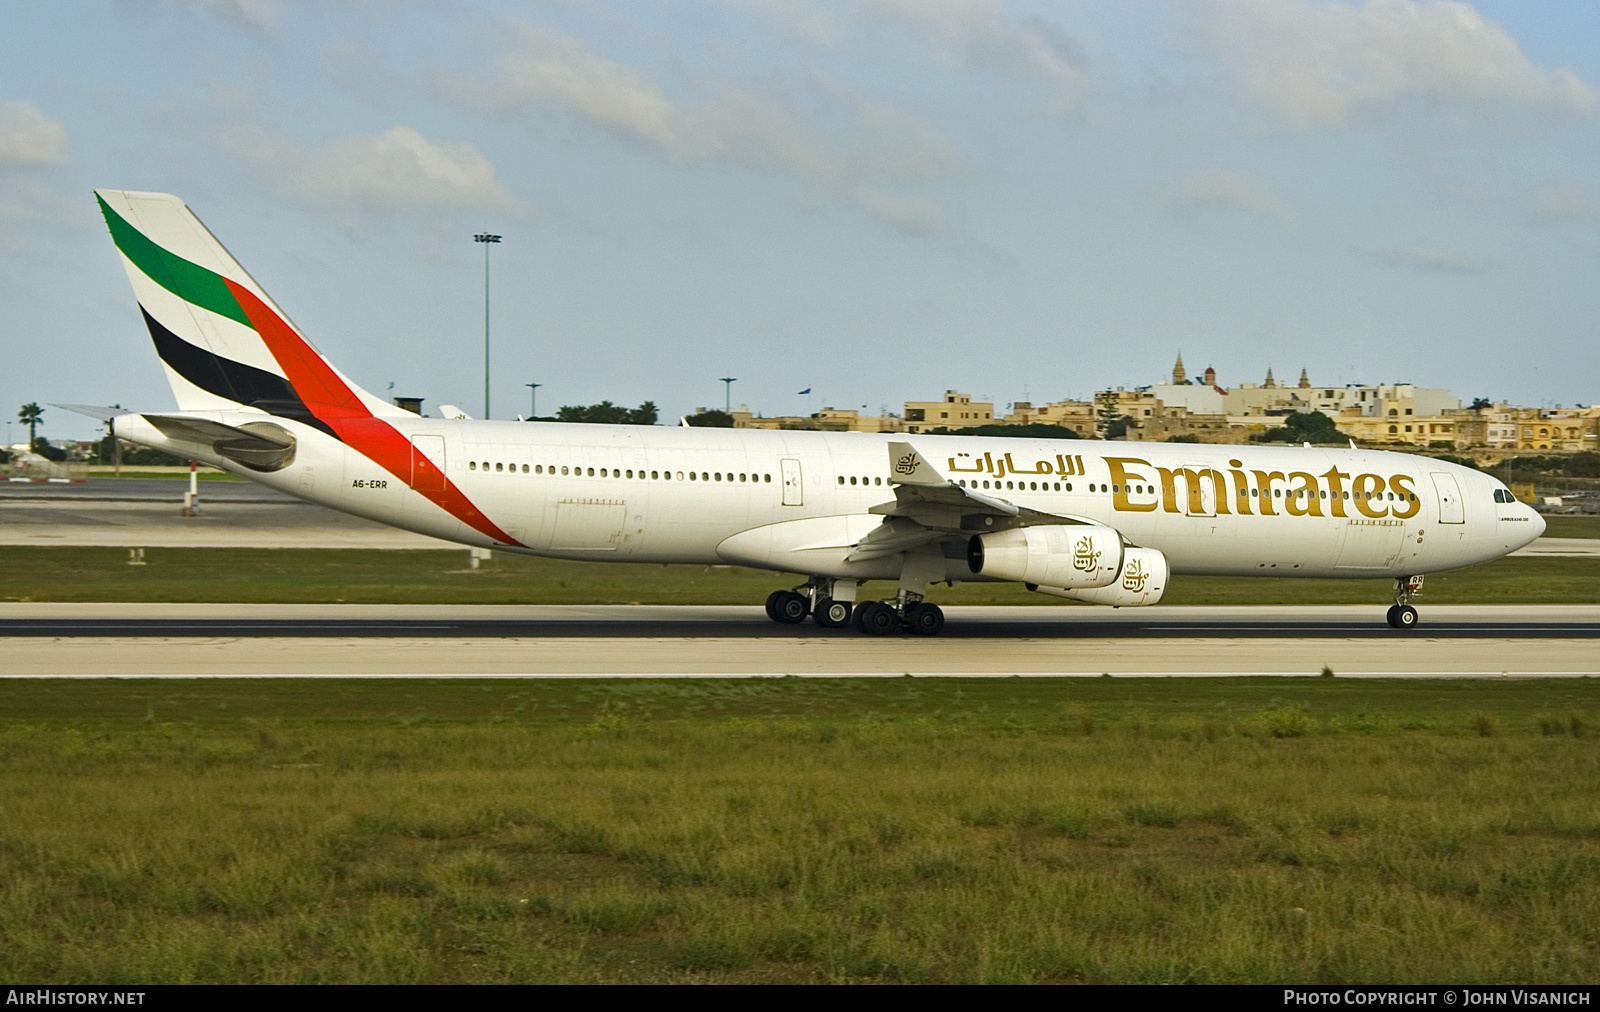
1402, 615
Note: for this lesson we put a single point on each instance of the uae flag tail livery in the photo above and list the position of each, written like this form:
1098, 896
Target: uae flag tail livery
261, 395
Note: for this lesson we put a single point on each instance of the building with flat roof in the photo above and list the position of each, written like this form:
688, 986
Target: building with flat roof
956, 411
1075, 415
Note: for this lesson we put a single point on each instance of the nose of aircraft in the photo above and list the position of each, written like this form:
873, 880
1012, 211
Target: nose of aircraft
1522, 535
1536, 524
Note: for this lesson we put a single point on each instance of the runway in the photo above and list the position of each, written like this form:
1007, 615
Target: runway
147, 513
148, 640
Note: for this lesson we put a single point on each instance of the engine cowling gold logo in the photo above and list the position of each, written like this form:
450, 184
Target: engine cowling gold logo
1085, 557
1134, 576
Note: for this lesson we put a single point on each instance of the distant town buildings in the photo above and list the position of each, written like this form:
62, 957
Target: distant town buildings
1396, 414
956, 411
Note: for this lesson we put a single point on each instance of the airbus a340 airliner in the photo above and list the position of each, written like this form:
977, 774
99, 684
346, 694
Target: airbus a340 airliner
1107, 523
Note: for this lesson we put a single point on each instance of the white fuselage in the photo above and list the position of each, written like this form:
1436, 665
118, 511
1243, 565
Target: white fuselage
676, 495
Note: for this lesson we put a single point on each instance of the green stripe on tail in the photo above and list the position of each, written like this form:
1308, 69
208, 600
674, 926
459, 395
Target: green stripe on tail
188, 281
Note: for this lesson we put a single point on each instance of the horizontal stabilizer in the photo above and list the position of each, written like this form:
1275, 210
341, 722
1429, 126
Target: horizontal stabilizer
260, 446
104, 414
203, 430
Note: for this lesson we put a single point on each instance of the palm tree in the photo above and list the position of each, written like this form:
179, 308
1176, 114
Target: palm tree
30, 415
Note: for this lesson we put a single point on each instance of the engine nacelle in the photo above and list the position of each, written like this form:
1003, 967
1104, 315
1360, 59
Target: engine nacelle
1143, 581
1051, 555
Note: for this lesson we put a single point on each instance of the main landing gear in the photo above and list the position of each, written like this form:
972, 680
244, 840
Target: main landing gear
1402, 615
832, 605
788, 607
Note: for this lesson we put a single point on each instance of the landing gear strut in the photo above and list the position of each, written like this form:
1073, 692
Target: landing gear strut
1402, 615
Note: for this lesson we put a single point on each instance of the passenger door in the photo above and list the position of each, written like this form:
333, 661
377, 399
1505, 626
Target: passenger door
1203, 485
1450, 508
427, 463
792, 492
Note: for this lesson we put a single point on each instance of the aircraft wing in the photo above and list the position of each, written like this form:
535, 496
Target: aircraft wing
930, 499
929, 507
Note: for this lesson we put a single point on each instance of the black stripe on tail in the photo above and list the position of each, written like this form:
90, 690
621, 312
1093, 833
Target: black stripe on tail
234, 381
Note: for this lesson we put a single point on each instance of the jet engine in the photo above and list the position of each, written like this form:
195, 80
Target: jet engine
1142, 581
1051, 555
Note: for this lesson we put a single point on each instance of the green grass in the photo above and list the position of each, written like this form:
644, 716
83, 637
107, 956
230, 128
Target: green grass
799, 830
101, 471
29, 573
1572, 526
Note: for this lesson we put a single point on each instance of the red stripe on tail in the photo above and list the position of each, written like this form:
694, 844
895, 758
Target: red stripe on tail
336, 405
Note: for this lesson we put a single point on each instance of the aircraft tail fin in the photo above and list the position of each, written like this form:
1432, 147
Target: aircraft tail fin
222, 340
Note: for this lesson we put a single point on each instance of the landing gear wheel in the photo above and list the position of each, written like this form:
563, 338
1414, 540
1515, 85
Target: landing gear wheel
876, 618
924, 619
1402, 616
787, 607
831, 614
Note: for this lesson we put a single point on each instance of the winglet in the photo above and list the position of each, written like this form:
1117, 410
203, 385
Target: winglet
907, 467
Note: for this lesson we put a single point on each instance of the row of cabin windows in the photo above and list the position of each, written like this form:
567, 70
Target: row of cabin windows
1021, 486
1277, 493
618, 472
1034, 486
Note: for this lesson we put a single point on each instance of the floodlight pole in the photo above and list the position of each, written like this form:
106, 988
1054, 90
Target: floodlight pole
727, 393
533, 399
486, 239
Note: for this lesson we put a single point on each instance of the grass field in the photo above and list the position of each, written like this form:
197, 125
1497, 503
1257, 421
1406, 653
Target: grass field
1572, 526
442, 577
101, 471
795, 830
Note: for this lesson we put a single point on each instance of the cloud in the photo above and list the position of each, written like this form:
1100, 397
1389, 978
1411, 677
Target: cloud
866, 161
974, 35
1322, 64
259, 16
1432, 257
28, 137
396, 171
1562, 200
1219, 188
977, 35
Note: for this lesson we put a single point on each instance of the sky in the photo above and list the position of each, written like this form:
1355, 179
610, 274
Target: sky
873, 200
